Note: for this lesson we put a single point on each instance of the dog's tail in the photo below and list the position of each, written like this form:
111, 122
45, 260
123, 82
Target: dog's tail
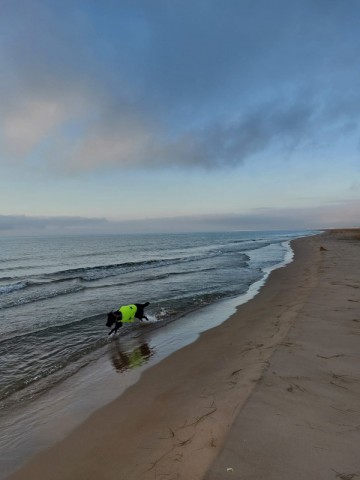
146, 304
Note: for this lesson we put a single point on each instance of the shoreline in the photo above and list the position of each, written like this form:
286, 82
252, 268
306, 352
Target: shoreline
175, 422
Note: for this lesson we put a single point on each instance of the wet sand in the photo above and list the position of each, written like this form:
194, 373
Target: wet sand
273, 393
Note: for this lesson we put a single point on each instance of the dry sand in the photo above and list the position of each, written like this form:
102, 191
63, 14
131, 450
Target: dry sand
273, 393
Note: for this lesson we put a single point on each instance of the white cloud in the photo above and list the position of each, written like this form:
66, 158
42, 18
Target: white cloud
122, 147
24, 128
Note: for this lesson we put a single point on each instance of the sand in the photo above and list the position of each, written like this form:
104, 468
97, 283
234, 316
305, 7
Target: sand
273, 393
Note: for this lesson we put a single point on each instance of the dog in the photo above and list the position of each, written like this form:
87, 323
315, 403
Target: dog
126, 316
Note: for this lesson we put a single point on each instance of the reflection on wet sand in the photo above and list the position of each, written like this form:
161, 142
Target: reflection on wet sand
124, 360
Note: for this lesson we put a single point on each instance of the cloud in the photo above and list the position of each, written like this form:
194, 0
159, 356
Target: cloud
322, 217
149, 85
339, 215
280, 127
30, 224
25, 128
355, 186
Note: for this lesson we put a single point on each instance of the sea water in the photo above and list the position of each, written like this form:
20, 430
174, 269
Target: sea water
55, 293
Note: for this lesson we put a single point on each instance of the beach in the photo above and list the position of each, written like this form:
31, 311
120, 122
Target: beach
272, 393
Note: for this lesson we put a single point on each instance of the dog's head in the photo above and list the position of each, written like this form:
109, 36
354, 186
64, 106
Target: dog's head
111, 319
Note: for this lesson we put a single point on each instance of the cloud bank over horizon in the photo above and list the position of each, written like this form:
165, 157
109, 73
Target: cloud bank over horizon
324, 217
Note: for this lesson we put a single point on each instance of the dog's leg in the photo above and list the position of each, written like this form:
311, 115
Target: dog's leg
118, 325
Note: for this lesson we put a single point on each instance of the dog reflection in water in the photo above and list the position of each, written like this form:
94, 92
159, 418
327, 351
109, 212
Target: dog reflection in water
123, 360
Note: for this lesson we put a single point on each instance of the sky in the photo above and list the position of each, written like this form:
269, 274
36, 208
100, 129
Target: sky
179, 115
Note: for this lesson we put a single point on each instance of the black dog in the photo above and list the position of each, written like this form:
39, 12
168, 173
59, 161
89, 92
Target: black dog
111, 319
116, 317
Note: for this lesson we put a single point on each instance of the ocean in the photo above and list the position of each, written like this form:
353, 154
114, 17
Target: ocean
55, 293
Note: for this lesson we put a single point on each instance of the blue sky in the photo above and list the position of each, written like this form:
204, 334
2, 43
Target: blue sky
179, 115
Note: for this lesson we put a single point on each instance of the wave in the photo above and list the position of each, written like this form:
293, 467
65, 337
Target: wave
38, 296
13, 287
188, 301
34, 282
80, 276
161, 276
21, 267
91, 274
12, 259
97, 272
97, 254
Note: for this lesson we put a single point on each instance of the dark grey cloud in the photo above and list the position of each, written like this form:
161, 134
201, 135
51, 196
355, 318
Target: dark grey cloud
31, 224
307, 218
205, 83
275, 128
